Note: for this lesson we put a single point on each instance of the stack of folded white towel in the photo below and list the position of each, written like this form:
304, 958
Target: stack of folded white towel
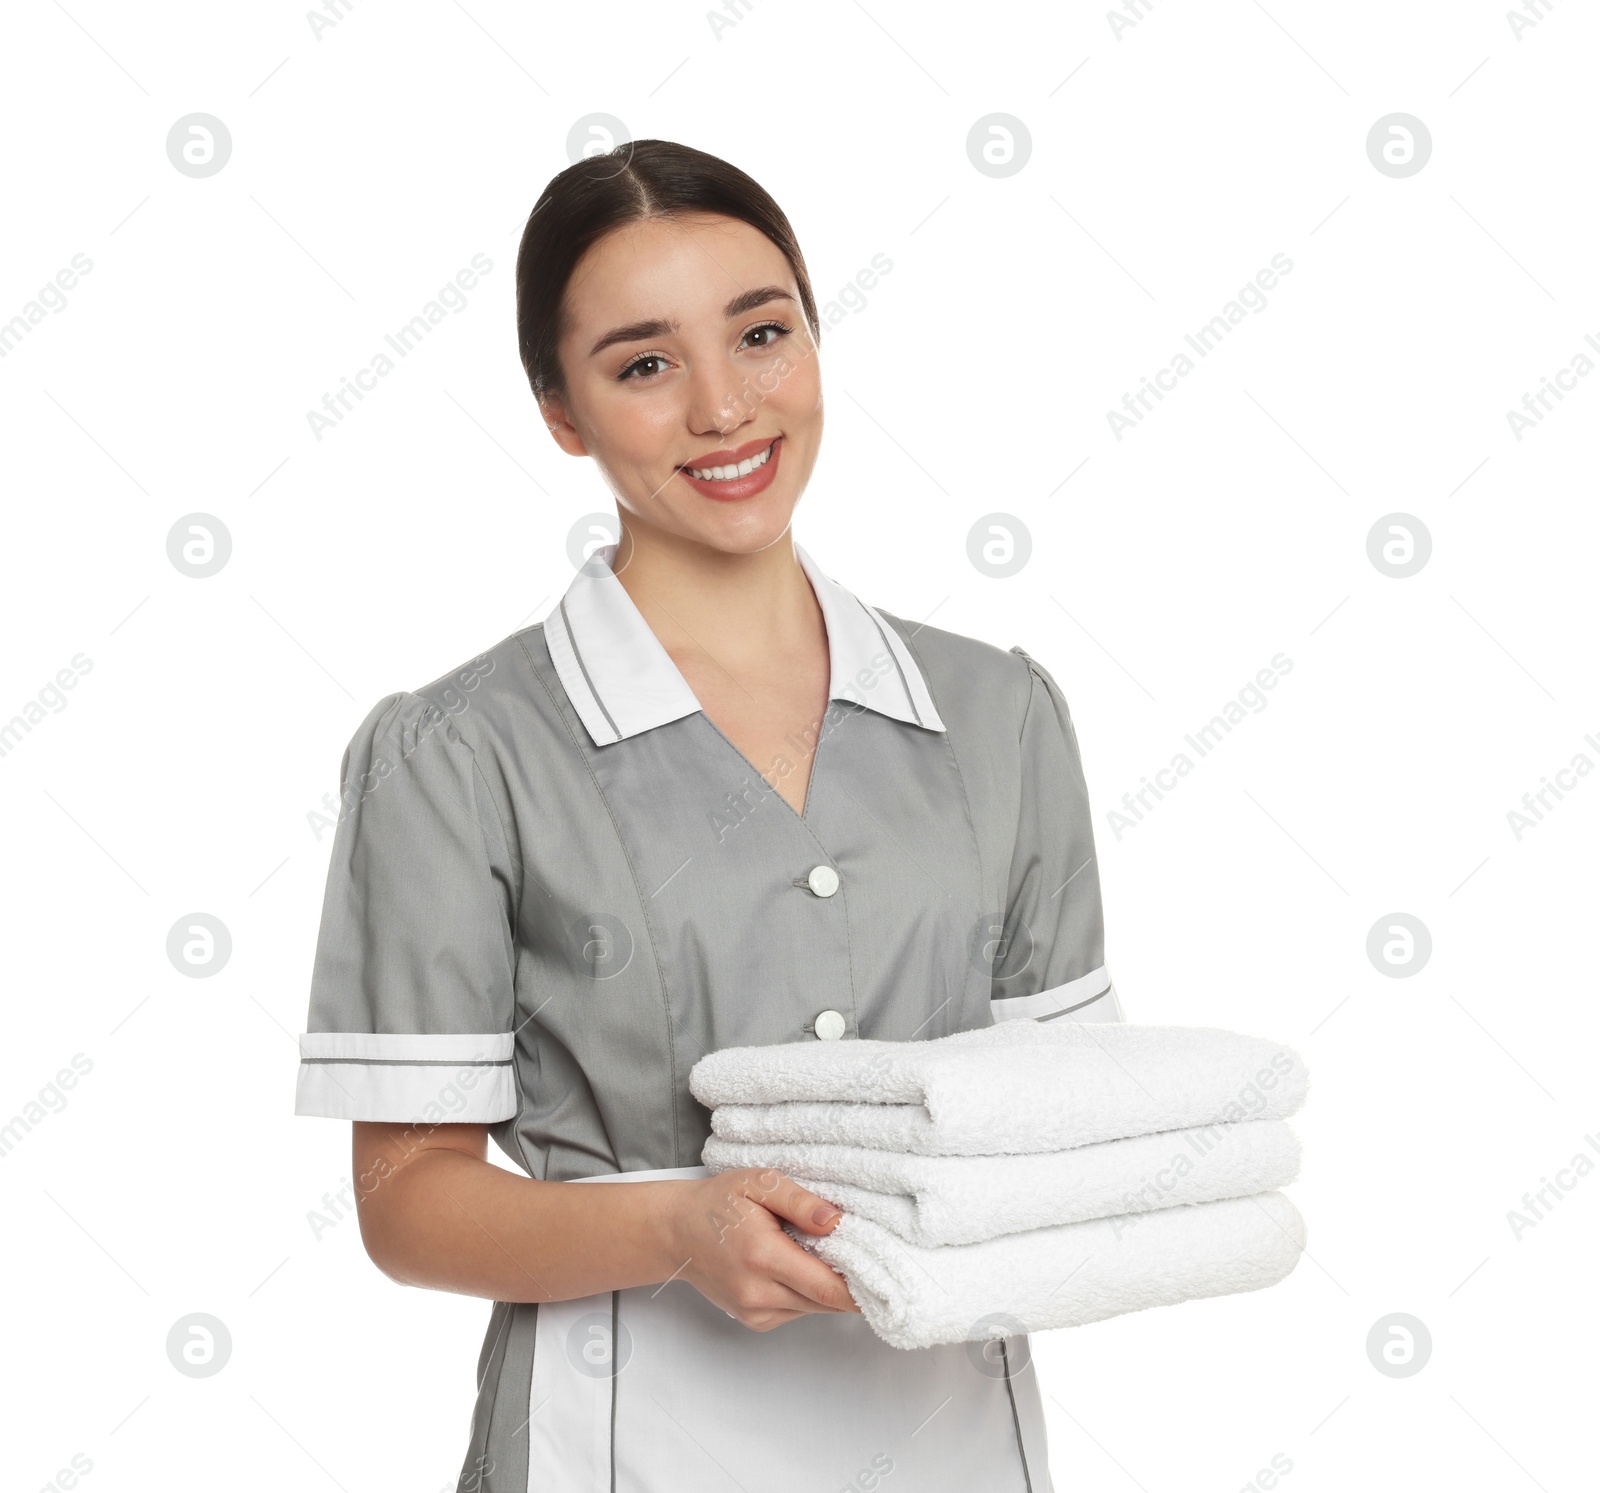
1025, 1175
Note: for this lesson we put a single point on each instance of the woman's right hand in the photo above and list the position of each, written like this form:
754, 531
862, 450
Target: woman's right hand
726, 1238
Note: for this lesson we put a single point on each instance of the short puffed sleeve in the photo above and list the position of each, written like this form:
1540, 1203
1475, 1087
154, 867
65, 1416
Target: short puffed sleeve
1052, 965
412, 1010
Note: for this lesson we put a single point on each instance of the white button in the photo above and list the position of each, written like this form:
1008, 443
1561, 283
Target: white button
829, 1025
823, 880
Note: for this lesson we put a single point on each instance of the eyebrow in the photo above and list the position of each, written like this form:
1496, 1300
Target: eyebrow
640, 331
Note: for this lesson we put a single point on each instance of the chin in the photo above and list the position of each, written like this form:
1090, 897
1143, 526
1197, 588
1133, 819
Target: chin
741, 529
747, 538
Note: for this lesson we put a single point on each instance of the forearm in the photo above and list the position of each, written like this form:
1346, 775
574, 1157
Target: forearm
451, 1222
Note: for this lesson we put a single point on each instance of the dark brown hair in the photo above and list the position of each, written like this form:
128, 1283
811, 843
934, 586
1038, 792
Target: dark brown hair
639, 180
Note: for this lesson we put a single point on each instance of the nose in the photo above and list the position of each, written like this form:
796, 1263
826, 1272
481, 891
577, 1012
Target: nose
720, 399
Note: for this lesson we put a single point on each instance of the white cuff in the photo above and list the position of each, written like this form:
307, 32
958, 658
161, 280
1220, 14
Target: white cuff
405, 1077
1088, 998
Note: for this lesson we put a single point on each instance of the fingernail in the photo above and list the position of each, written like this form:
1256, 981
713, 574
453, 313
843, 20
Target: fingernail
823, 1215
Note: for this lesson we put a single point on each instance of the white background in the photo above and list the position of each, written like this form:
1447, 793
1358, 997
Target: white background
1168, 165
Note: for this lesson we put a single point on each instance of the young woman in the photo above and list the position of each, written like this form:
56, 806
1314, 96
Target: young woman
713, 800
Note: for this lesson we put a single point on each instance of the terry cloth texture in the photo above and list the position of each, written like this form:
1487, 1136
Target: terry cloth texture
1065, 1276
1016, 1087
934, 1200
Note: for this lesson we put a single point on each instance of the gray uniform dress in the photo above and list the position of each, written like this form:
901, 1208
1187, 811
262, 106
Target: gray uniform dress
555, 884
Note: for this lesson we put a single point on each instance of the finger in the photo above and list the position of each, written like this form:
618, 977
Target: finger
816, 1285
782, 1298
802, 1271
767, 1298
788, 1199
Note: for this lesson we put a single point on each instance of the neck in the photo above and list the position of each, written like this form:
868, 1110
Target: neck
734, 607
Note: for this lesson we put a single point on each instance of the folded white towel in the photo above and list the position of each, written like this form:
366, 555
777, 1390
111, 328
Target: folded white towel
1010, 1088
933, 1200
1065, 1276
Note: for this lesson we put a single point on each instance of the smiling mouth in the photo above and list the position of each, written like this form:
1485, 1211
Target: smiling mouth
734, 472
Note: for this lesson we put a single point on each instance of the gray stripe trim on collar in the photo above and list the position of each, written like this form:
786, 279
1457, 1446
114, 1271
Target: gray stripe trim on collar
577, 653
905, 684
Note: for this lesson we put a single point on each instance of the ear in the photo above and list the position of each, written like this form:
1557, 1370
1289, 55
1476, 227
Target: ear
553, 411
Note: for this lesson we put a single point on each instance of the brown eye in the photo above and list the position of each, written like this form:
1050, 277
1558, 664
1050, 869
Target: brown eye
773, 330
641, 362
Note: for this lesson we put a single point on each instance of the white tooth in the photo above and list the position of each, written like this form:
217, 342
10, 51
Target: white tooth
728, 473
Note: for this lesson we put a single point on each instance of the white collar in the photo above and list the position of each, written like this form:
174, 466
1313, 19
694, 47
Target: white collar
621, 681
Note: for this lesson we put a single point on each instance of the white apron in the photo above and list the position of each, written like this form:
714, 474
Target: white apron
654, 1389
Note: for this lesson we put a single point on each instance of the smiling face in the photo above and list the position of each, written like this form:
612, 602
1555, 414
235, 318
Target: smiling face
692, 380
